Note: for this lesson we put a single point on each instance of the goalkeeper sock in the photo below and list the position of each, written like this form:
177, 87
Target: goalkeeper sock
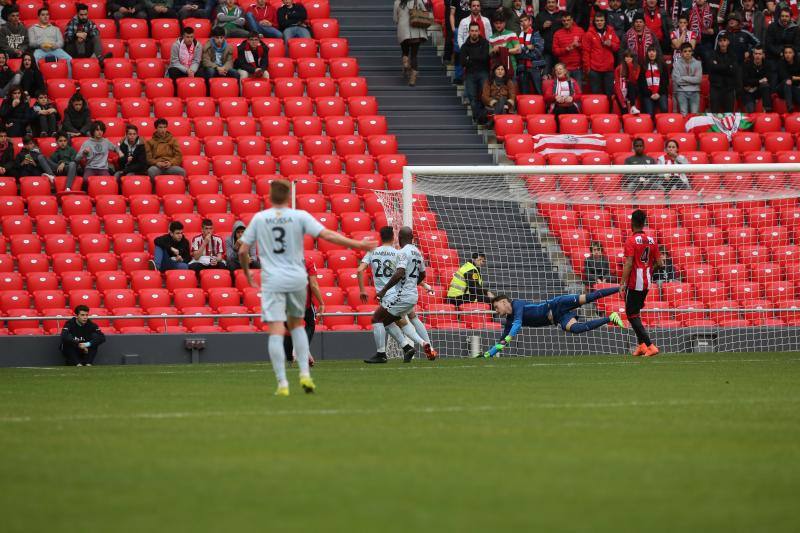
420, 329
602, 293
301, 349
397, 335
278, 357
583, 327
379, 332
411, 333
638, 328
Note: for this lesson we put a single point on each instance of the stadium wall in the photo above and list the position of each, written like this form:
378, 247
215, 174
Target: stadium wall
237, 347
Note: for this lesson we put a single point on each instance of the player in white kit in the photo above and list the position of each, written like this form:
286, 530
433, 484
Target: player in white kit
279, 233
382, 262
399, 296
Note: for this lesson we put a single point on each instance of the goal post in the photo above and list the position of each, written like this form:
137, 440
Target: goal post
730, 233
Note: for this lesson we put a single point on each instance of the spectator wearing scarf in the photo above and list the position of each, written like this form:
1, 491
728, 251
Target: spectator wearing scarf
654, 83
184, 56
639, 38
251, 60
562, 92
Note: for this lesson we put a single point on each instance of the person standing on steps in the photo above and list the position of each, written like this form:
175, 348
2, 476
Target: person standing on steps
410, 37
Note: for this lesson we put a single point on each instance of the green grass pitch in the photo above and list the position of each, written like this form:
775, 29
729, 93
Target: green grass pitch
701, 442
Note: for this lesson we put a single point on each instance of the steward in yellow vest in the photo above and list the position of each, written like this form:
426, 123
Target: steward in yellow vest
467, 283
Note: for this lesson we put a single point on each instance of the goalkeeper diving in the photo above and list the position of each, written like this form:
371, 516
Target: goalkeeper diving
556, 311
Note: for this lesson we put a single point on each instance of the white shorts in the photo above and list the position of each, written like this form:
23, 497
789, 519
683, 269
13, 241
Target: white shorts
276, 306
398, 306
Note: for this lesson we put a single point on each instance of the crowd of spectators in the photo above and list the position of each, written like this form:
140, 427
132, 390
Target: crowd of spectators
637, 54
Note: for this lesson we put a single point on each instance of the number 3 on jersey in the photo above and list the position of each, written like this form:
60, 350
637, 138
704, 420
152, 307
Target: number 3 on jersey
279, 236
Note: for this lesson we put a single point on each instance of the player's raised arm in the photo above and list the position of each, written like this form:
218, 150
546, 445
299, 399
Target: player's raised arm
367, 244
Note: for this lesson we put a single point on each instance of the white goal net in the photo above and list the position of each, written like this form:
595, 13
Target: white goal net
730, 236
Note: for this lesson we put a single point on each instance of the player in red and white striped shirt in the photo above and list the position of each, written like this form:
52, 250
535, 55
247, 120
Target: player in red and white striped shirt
641, 258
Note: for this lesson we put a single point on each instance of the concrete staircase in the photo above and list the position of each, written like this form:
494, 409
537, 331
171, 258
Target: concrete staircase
429, 120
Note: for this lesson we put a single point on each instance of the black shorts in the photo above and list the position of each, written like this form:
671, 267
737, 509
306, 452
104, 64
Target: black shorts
634, 302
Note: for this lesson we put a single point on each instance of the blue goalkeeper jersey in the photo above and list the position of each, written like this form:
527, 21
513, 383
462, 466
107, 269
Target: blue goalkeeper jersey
528, 314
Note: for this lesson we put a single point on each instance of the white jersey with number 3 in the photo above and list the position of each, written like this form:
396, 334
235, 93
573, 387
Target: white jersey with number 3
279, 233
409, 259
381, 261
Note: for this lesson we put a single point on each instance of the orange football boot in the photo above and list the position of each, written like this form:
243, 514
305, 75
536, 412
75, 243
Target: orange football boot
652, 351
640, 350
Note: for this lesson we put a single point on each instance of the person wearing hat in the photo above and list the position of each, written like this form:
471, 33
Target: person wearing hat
723, 76
639, 38
753, 20
742, 41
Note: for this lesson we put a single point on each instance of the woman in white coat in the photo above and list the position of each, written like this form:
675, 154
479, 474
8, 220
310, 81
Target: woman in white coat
408, 36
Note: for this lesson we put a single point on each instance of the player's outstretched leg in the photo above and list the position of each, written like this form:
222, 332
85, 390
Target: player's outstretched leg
590, 297
576, 327
278, 357
423, 334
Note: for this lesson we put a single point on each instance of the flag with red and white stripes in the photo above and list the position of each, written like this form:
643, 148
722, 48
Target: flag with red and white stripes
545, 143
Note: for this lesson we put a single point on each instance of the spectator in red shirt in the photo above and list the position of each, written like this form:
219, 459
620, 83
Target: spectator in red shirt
310, 317
658, 21
262, 18
600, 45
641, 258
567, 47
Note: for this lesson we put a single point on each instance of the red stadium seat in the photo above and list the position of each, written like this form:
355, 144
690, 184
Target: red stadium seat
332, 47
767, 122
341, 67
311, 67
605, 123
637, 124
302, 47
362, 105
255, 87
616, 143
594, 104
201, 26
36, 281
670, 123
573, 124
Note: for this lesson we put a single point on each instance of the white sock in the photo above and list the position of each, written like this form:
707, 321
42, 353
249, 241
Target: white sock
397, 335
411, 333
301, 349
278, 357
379, 332
420, 329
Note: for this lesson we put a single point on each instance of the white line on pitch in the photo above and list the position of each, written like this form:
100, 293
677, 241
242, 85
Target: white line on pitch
411, 410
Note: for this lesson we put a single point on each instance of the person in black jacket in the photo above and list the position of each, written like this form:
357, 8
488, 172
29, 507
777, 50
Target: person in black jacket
781, 32
134, 156
15, 112
6, 75
31, 79
789, 78
755, 82
80, 338
596, 268
475, 61
6, 154
171, 250
251, 60
724, 76
292, 21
